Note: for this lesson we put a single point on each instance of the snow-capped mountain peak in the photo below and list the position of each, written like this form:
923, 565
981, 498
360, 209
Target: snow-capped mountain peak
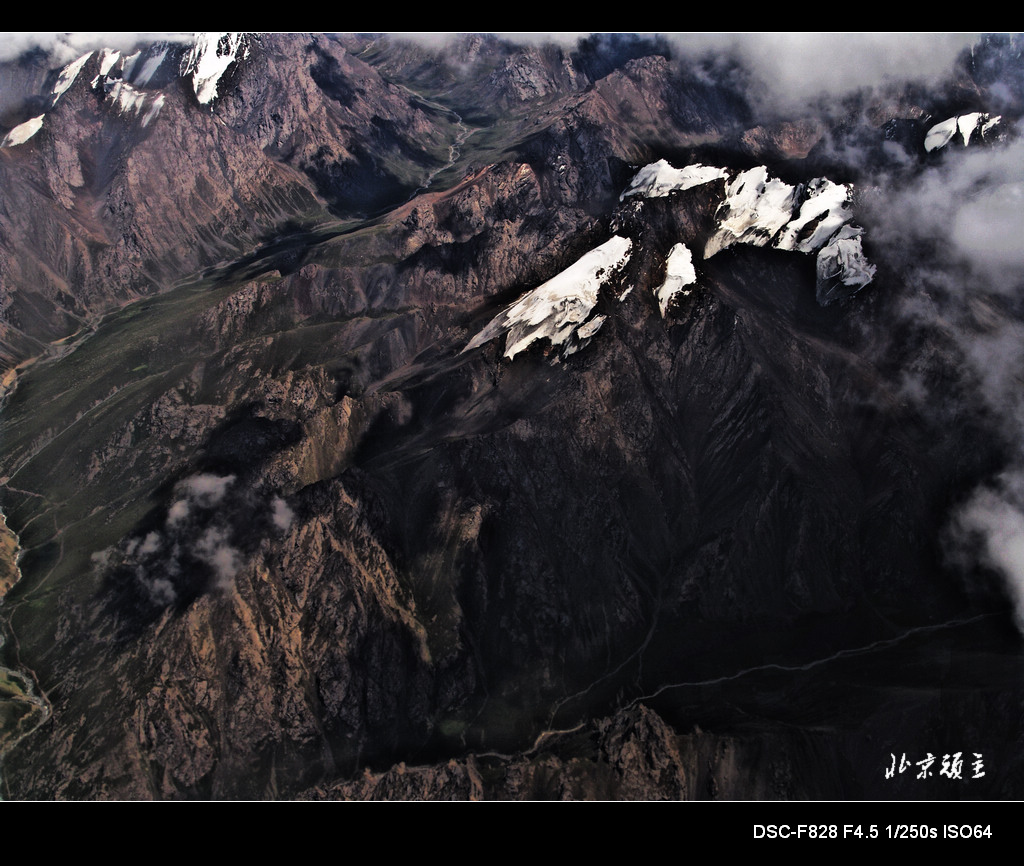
759, 210
659, 179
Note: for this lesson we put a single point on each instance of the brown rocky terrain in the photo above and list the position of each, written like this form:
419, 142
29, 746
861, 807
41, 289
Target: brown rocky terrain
283, 538
103, 210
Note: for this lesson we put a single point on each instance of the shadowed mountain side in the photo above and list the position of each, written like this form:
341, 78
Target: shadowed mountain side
665, 488
294, 524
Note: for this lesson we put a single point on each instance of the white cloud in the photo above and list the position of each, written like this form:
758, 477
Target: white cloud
794, 66
989, 228
954, 234
178, 512
66, 47
214, 549
798, 67
992, 521
970, 207
151, 544
207, 489
282, 514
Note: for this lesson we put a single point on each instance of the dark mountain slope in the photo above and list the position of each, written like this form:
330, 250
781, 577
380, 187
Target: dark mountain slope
284, 535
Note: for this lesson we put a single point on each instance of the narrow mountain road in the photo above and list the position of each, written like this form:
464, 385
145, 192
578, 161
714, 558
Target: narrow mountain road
875, 646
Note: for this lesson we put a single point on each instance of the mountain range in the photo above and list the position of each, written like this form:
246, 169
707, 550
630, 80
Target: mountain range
477, 418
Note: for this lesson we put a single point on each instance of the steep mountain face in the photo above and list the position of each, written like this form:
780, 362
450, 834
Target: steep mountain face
414, 459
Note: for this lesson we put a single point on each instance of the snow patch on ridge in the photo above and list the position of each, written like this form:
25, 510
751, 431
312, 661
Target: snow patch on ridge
659, 179
108, 57
559, 310
755, 209
128, 65
153, 110
209, 58
23, 132
122, 87
126, 98
67, 77
151, 65
679, 273
965, 124
116, 82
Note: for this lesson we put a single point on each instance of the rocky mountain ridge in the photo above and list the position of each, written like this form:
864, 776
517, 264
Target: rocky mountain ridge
294, 524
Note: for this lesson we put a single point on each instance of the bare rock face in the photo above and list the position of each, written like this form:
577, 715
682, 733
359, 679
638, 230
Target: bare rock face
359, 139
535, 73
189, 555
290, 526
787, 140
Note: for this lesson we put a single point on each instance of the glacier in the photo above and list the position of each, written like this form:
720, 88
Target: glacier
822, 215
841, 262
759, 210
755, 209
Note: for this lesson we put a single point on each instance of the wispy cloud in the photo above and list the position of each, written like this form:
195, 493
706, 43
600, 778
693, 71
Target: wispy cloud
955, 235
797, 68
65, 47
200, 543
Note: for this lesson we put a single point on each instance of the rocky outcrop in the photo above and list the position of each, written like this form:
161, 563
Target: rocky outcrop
631, 756
8, 557
786, 140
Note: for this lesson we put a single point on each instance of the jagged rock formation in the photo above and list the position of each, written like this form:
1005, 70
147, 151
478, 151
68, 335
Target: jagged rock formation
294, 522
